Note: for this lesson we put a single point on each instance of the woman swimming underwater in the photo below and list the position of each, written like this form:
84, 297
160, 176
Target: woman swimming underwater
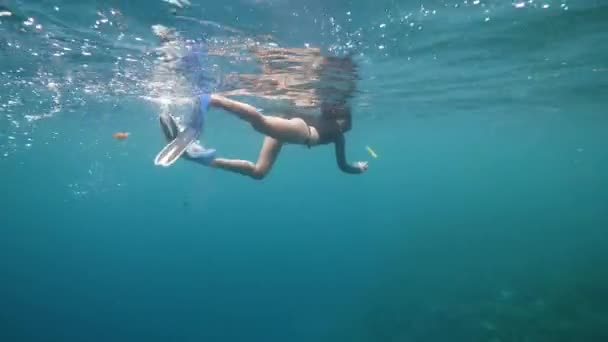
289, 127
309, 131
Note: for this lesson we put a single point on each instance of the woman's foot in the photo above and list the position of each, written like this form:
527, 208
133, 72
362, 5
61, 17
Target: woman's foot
201, 155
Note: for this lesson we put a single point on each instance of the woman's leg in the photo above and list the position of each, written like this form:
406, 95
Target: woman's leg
268, 154
294, 131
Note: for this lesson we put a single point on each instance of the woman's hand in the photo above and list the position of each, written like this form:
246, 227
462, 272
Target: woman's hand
361, 165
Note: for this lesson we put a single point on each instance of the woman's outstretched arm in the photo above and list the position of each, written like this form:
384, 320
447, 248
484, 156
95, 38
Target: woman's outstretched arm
358, 167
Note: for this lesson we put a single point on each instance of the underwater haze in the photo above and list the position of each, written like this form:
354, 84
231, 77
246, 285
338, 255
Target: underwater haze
483, 216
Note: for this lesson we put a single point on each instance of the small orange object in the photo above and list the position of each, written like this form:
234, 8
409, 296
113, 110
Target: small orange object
121, 135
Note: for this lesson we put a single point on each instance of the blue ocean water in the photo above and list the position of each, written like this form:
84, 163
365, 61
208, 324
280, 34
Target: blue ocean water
483, 218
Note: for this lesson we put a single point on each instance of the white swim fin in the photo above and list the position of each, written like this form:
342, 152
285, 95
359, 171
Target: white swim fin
170, 153
176, 148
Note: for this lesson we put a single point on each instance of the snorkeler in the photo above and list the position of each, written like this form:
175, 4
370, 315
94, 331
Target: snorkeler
304, 130
287, 74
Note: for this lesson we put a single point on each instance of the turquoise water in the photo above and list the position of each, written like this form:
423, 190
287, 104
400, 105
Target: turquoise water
483, 218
